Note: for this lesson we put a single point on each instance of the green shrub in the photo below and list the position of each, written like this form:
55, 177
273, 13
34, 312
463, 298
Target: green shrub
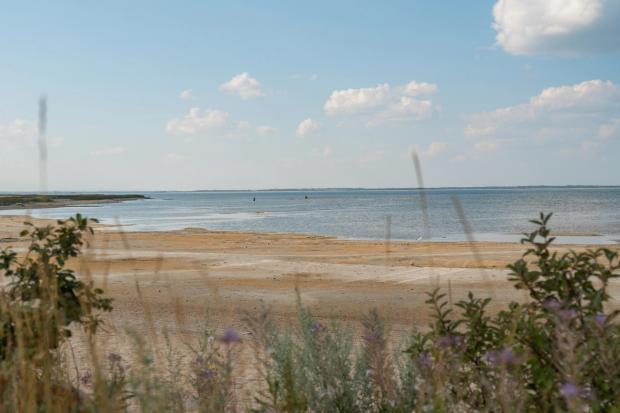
42, 291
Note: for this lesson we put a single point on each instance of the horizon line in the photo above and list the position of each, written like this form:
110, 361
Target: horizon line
312, 189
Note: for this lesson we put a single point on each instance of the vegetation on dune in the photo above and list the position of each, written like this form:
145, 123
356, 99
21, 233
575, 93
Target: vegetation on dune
558, 351
28, 199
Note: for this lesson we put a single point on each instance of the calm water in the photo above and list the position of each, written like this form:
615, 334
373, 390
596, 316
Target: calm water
493, 213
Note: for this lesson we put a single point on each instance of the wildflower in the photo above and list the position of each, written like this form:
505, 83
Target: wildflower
230, 336
450, 341
114, 358
206, 374
317, 328
371, 337
600, 319
569, 390
87, 378
567, 314
551, 304
424, 359
504, 357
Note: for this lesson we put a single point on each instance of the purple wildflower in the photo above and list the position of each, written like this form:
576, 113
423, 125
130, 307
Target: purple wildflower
567, 314
230, 336
206, 374
569, 390
551, 304
425, 359
317, 328
450, 341
87, 379
371, 337
600, 319
114, 358
504, 357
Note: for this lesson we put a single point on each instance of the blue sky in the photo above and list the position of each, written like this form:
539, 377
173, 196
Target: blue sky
236, 95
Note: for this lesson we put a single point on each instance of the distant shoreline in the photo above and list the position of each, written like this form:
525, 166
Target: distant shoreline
38, 201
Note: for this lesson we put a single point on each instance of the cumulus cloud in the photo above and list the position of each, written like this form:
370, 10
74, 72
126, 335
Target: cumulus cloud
435, 148
350, 101
559, 27
244, 86
197, 120
116, 150
586, 111
592, 99
383, 102
306, 127
265, 130
186, 94
414, 88
405, 109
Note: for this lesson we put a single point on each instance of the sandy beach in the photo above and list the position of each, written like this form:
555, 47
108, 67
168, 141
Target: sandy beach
232, 273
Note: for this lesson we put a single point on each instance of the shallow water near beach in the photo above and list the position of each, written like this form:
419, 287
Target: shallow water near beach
581, 215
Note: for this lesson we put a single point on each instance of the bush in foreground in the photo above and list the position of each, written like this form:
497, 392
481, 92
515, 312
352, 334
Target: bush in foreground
558, 351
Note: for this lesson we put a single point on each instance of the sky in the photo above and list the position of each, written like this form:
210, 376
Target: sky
188, 95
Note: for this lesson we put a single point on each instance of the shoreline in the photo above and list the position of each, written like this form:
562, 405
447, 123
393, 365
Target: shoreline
449, 253
106, 228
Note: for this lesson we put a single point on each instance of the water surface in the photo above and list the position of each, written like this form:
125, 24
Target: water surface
581, 215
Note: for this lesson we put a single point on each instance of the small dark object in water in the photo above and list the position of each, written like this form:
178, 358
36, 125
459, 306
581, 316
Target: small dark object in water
306, 197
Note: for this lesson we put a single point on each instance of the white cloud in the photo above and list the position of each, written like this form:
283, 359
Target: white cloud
560, 27
611, 129
186, 94
19, 132
116, 150
384, 103
350, 101
405, 109
265, 130
570, 106
197, 120
414, 88
433, 149
479, 131
243, 86
306, 127
327, 152
574, 116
